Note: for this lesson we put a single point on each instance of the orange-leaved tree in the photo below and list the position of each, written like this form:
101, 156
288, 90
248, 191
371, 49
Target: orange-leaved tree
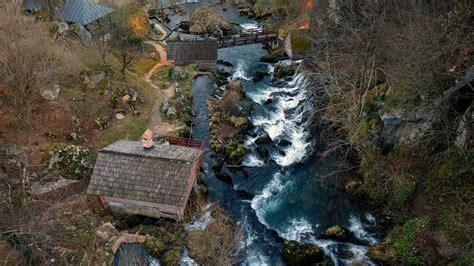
139, 23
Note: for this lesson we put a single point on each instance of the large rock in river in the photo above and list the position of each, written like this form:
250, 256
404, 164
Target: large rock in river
336, 232
283, 71
296, 254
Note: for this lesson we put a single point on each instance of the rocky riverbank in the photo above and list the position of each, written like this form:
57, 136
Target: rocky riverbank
229, 110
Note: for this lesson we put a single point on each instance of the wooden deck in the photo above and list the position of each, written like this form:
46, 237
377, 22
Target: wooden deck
253, 36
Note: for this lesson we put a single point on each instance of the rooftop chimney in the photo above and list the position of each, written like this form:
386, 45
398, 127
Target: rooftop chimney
147, 139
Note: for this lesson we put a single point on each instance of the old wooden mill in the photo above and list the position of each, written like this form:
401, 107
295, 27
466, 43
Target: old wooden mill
203, 51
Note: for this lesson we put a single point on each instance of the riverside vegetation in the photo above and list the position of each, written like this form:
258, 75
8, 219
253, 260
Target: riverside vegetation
397, 82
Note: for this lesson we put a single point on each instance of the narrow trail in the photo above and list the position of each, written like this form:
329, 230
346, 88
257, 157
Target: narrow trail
156, 124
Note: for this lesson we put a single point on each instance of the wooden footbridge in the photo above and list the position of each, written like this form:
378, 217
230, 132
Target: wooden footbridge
248, 37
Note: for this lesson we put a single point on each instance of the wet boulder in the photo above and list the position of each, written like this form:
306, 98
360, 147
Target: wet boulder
274, 56
268, 101
284, 143
264, 139
225, 177
259, 75
237, 86
296, 254
284, 71
263, 152
337, 233
225, 63
244, 194
225, 71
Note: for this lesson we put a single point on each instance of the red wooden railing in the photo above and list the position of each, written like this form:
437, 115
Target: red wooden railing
192, 143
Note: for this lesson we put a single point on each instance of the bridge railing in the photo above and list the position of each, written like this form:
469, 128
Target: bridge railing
252, 36
252, 32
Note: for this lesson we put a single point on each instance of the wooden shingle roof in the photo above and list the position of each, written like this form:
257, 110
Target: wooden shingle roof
160, 175
191, 50
82, 11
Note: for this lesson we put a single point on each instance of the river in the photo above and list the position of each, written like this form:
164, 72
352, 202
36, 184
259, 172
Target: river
280, 197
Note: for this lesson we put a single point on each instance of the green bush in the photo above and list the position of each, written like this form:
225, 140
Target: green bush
155, 246
452, 170
235, 153
300, 43
73, 162
172, 256
403, 238
401, 98
400, 187
238, 122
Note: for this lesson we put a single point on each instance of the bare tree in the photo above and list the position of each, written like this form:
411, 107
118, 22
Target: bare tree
102, 40
26, 66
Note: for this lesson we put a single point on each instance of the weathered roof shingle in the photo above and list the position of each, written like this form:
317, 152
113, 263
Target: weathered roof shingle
192, 50
160, 175
82, 11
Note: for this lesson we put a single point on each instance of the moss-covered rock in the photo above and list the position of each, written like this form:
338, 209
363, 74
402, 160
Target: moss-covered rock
155, 247
70, 161
296, 254
283, 71
274, 56
235, 153
259, 75
204, 21
336, 232
355, 189
300, 43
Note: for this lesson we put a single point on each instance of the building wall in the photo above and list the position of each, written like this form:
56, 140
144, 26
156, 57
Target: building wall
287, 45
202, 64
128, 207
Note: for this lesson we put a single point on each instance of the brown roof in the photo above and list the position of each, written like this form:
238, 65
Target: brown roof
160, 175
191, 50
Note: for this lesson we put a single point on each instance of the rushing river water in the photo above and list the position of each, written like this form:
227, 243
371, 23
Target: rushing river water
279, 197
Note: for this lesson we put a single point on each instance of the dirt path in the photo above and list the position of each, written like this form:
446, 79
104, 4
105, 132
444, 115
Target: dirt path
156, 124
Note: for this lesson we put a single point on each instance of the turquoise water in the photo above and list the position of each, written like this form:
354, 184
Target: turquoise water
280, 197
